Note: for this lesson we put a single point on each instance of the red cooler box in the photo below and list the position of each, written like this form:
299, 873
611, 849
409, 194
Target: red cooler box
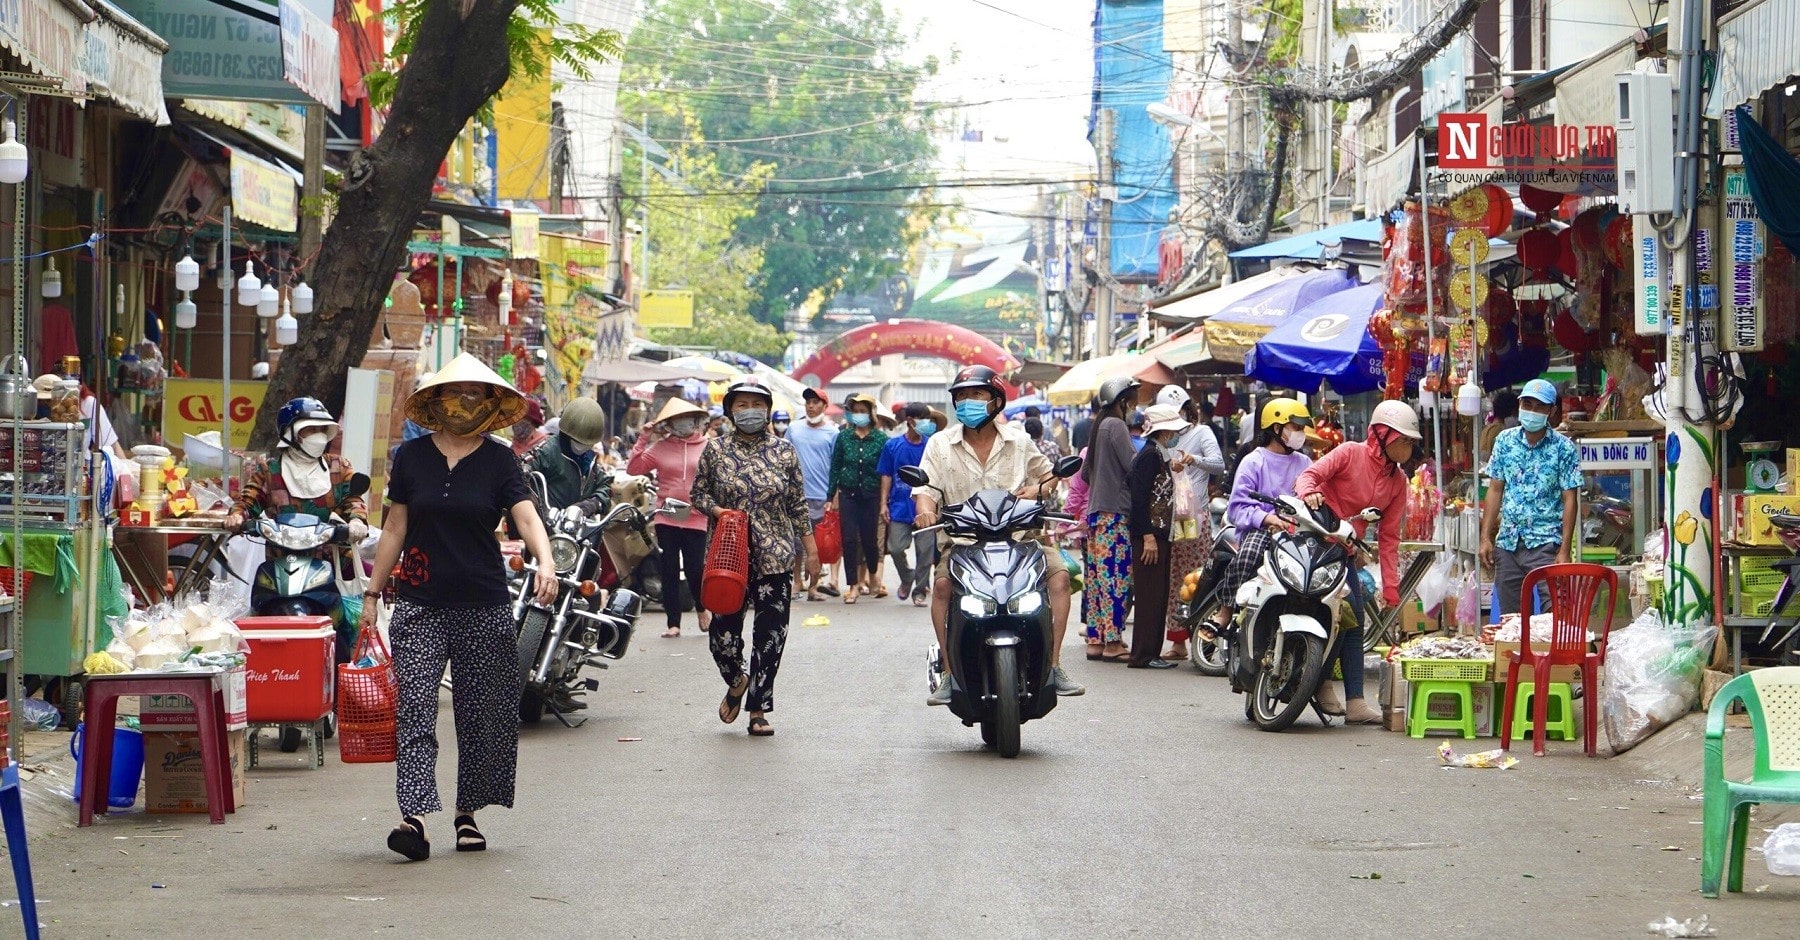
291, 668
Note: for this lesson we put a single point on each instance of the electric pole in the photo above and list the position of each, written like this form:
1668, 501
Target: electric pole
1315, 138
1103, 301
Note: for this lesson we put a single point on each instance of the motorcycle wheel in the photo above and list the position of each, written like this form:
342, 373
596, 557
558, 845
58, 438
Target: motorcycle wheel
531, 642
1298, 674
290, 739
1006, 703
1208, 657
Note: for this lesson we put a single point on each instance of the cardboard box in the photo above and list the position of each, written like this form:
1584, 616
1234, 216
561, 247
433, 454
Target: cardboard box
1557, 673
1393, 718
1754, 527
1413, 619
174, 773
176, 713
1444, 708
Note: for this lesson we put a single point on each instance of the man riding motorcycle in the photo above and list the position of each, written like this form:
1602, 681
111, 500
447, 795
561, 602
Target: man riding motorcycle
977, 453
571, 468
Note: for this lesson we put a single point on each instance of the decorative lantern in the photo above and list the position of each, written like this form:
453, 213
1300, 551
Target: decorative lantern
1541, 201
1538, 250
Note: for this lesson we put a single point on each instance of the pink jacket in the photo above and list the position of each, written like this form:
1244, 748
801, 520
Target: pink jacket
674, 461
1353, 477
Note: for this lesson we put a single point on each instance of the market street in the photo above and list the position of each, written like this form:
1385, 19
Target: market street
1148, 806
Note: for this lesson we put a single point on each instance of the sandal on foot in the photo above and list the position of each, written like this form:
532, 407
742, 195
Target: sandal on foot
1119, 657
671, 633
409, 840
760, 727
1094, 653
734, 700
469, 838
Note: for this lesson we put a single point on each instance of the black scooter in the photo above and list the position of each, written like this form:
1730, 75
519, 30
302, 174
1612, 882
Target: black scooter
999, 628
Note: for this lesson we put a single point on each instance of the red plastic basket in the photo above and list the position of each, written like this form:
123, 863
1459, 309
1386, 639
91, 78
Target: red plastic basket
6, 584
829, 534
727, 576
368, 706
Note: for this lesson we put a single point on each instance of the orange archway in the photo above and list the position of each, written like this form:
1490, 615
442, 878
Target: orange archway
920, 337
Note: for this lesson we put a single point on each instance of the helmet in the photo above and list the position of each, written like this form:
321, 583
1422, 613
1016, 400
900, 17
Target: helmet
1399, 416
1280, 411
583, 422
780, 416
979, 377
299, 414
1173, 395
1112, 390
745, 385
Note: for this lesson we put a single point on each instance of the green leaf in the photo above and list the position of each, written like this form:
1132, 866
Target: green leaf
1701, 441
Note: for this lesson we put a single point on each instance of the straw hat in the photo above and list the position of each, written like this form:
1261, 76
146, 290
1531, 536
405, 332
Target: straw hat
1164, 418
466, 368
677, 407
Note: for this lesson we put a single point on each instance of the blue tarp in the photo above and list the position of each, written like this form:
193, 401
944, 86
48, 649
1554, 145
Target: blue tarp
1311, 246
1131, 70
1326, 340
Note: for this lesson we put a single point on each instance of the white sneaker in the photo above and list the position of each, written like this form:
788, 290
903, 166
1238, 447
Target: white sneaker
942, 695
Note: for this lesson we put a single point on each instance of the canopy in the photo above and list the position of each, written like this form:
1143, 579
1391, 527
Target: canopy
1311, 245
706, 367
1017, 407
631, 371
1328, 340
1080, 384
1237, 315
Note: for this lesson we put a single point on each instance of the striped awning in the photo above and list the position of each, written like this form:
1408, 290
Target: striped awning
1756, 51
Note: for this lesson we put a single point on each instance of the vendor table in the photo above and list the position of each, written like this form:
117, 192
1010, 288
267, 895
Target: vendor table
1382, 621
1732, 554
210, 543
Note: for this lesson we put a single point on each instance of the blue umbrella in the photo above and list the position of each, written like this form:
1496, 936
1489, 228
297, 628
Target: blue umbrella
1326, 340
1017, 407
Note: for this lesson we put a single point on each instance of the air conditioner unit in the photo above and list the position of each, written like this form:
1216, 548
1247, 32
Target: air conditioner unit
1644, 118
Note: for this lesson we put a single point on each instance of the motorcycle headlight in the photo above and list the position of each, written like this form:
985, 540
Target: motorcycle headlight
974, 605
1290, 570
1026, 604
564, 552
1325, 576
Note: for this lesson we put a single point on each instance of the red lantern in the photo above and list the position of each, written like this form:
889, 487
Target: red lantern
1540, 201
1588, 234
1499, 212
1570, 335
1565, 257
1538, 249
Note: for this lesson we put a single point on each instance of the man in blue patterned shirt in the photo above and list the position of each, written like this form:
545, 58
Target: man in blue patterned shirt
1534, 474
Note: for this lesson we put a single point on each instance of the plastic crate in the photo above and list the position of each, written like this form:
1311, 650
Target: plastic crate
1758, 606
1761, 582
1445, 670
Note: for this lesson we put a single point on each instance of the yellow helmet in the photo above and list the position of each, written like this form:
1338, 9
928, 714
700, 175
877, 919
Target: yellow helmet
1280, 411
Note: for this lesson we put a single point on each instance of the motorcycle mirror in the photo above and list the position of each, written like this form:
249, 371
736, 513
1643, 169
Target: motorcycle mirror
1370, 514
914, 477
1067, 467
359, 484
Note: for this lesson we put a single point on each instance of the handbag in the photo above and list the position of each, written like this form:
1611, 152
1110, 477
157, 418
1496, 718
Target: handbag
368, 702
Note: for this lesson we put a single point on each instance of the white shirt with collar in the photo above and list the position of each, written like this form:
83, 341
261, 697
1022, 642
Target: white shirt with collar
954, 469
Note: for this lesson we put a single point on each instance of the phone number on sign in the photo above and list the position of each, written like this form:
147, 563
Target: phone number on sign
224, 65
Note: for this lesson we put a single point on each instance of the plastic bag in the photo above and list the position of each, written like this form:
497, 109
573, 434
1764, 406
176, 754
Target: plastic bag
1781, 850
40, 715
1185, 506
1468, 602
1652, 677
1435, 586
828, 535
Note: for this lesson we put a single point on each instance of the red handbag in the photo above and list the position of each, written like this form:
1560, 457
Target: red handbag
829, 535
726, 579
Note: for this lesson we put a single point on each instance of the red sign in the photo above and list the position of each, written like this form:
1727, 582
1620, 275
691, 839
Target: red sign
1170, 256
919, 337
1474, 142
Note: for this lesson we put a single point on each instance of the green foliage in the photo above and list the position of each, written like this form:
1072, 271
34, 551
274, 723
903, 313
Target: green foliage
576, 47
1281, 40
818, 90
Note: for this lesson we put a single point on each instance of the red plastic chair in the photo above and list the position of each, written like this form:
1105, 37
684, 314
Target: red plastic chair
1573, 589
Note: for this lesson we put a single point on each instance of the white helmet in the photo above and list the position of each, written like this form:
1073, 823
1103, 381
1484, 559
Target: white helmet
1399, 416
1173, 395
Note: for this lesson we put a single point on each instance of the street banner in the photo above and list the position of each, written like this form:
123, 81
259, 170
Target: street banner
263, 193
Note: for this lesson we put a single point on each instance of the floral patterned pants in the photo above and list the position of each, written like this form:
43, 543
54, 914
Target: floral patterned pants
769, 595
1108, 576
479, 644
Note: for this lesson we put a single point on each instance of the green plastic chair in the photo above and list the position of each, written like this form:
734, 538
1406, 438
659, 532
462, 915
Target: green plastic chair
1772, 697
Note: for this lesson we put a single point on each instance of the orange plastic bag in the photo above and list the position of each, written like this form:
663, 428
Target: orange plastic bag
726, 579
368, 703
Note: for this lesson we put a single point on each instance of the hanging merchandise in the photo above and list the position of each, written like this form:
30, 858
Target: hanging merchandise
1404, 253
1468, 246
1468, 290
1539, 250
1487, 208
1541, 201
1566, 264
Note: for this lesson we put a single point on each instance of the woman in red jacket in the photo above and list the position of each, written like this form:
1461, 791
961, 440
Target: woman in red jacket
1353, 477
670, 448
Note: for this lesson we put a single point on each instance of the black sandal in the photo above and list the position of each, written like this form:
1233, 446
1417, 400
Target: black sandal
734, 700
409, 840
760, 727
469, 838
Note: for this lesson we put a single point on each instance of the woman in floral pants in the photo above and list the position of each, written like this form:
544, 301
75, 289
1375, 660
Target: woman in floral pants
1108, 573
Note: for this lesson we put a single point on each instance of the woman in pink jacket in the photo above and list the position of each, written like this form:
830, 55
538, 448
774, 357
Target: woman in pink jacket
1353, 477
670, 448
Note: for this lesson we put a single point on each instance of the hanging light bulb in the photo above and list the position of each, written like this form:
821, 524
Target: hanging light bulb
1468, 400
249, 289
303, 297
187, 274
186, 314
119, 301
287, 329
14, 159
267, 300
51, 282
505, 300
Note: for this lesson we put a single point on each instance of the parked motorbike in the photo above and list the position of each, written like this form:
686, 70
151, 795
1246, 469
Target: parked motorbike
1287, 616
1608, 522
1787, 527
1198, 601
645, 578
999, 630
593, 615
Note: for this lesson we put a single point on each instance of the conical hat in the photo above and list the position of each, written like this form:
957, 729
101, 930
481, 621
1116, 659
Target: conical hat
467, 368
676, 407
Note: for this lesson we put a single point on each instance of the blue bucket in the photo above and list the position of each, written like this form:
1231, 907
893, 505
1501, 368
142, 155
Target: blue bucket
127, 764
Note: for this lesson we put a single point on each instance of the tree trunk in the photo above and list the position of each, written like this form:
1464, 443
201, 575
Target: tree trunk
459, 60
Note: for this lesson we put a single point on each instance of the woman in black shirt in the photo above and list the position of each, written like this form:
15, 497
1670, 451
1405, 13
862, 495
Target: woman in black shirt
447, 493
1152, 487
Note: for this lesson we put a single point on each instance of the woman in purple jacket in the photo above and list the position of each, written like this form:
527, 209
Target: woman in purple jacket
1271, 470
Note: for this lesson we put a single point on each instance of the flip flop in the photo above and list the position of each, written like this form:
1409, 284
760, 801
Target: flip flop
409, 840
1116, 657
469, 838
760, 728
1094, 653
671, 633
734, 700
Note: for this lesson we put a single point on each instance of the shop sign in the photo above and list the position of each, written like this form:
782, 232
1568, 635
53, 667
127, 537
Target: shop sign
55, 130
263, 193
1743, 281
309, 53
1617, 453
192, 406
1652, 263
669, 308
225, 50
524, 224
48, 38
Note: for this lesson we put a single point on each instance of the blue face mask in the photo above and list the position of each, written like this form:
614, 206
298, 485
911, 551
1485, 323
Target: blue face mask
926, 428
859, 419
1533, 421
971, 413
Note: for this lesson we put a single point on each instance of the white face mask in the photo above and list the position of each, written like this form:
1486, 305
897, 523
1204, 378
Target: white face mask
314, 444
1294, 438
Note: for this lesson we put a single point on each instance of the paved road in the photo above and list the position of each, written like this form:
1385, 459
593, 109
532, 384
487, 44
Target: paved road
1147, 807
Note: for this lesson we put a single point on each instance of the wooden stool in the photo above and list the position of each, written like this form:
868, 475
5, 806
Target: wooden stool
204, 689
1561, 721
1417, 723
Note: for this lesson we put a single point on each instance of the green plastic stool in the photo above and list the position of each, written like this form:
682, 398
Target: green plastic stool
1417, 723
1560, 723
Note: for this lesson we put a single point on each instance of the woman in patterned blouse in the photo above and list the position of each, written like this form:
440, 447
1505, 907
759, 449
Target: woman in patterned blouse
752, 470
